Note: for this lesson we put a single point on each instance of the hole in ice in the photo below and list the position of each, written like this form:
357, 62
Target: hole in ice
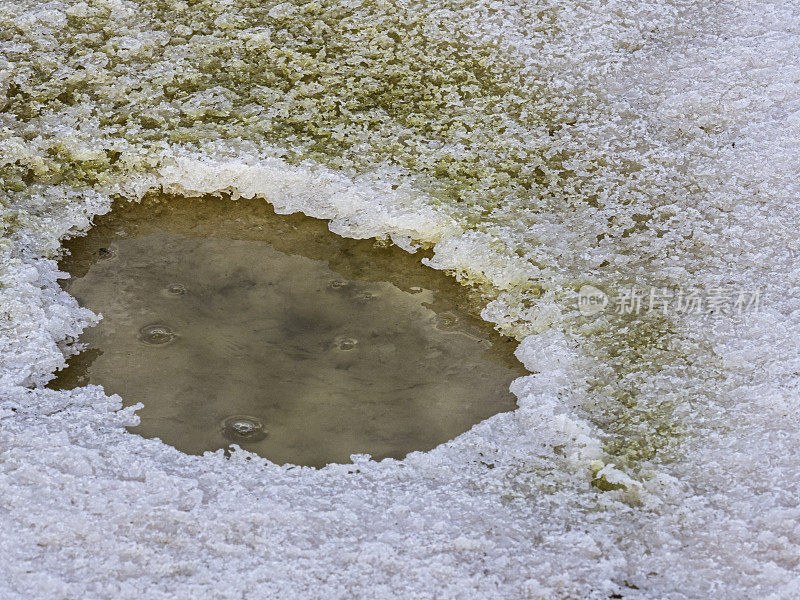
233, 324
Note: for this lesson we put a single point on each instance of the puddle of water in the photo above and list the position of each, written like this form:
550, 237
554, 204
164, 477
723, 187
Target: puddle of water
232, 324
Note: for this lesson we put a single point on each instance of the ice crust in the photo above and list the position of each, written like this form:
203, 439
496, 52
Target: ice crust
666, 137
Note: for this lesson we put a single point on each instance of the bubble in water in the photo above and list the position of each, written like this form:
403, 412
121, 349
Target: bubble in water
176, 289
156, 335
337, 284
107, 253
446, 320
242, 428
346, 343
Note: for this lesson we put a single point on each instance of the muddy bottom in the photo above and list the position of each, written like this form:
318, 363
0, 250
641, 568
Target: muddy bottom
232, 324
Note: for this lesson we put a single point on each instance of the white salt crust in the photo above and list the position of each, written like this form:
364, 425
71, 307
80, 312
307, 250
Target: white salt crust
695, 106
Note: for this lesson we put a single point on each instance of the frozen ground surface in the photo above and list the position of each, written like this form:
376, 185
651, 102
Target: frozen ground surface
540, 146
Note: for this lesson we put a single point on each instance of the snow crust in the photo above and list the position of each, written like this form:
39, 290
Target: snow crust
653, 459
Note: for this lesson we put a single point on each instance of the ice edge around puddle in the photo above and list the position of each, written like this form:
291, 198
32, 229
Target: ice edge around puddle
318, 193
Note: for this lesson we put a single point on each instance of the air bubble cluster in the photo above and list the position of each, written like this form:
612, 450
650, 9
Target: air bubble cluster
176, 289
156, 335
242, 428
446, 320
346, 343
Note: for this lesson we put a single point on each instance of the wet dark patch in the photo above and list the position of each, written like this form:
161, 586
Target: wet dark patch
232, 324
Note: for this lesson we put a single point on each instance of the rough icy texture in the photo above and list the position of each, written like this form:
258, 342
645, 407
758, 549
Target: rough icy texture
541, 146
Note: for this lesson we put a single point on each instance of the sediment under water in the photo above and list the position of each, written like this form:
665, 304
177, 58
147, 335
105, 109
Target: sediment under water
233, 324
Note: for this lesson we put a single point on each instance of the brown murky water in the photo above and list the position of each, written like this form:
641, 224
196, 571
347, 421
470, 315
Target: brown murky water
232, 324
